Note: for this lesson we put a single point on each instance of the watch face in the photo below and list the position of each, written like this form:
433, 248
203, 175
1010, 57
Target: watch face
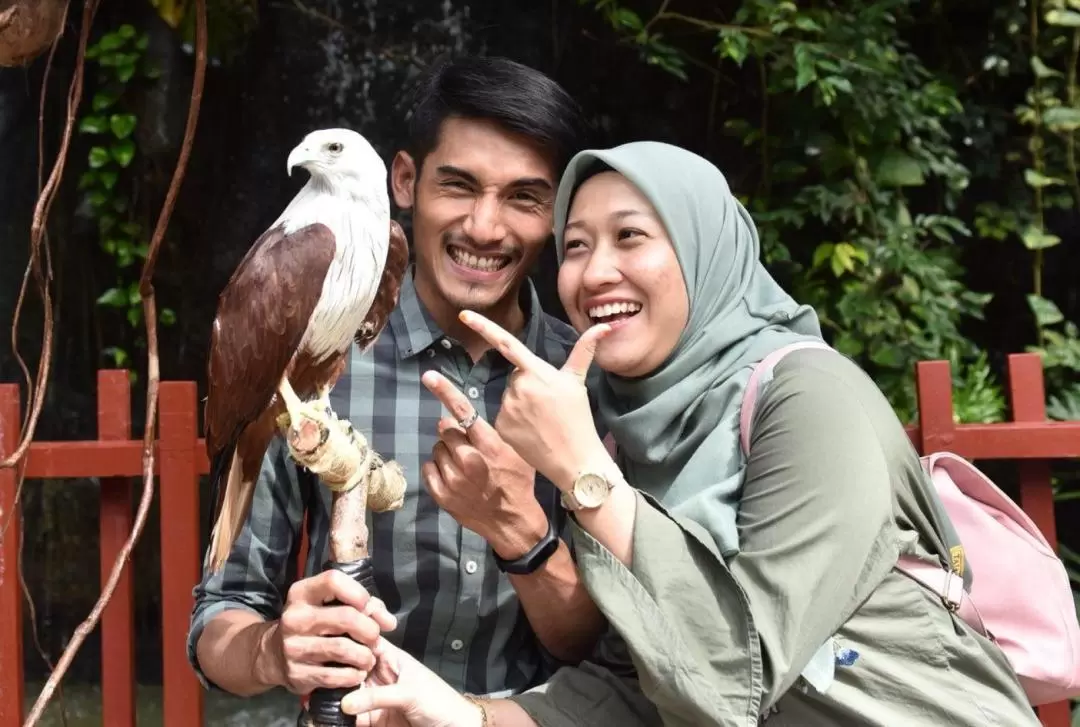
590, 490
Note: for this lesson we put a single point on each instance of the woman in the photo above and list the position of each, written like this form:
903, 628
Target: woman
739, 589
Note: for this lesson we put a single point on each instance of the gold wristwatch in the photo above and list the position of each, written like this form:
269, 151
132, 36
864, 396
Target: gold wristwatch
589, 491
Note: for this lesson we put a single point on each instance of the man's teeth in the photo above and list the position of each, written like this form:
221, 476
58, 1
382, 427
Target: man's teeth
478, 262
614, 309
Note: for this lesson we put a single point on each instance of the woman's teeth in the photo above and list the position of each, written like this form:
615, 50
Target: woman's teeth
478, 262
613, 311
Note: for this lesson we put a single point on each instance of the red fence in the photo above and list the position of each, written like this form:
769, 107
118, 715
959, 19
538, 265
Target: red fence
116, 458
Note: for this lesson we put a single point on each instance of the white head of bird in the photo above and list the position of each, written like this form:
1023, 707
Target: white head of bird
341, 161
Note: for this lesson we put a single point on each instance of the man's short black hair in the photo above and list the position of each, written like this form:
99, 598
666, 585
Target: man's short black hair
516, 97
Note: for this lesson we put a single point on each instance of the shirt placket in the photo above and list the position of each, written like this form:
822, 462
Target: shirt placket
471, 380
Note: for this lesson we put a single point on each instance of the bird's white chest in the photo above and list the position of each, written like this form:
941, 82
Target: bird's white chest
362, 237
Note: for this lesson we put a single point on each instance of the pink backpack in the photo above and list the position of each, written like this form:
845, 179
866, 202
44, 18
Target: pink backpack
1020, 596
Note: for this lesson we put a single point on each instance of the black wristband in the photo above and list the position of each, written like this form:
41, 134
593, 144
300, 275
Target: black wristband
535, 558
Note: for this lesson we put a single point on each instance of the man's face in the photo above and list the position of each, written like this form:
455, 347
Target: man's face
481, 211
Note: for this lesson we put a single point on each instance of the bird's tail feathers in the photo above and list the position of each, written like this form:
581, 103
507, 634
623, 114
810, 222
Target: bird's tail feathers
233, 512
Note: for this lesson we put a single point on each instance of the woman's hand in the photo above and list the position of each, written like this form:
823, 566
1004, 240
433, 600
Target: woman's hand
545, 413
402, 692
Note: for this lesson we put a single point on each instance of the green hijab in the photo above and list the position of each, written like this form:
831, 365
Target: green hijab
677, 428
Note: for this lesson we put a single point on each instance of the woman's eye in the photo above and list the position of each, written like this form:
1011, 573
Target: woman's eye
628, 233
571, 244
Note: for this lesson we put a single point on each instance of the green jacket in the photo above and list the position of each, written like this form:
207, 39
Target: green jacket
834, 493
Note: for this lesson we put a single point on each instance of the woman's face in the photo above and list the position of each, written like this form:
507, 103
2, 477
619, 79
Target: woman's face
619, 267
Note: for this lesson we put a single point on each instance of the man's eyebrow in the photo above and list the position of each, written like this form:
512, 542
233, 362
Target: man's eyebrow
449, 170
532, 182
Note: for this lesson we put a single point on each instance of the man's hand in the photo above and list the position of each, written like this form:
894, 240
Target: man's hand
311, 635
481, 481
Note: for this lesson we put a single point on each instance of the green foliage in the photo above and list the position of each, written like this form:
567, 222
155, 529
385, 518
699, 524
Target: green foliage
108, 184
854, 154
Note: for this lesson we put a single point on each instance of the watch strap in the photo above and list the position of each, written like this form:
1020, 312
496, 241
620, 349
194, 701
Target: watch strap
534, 558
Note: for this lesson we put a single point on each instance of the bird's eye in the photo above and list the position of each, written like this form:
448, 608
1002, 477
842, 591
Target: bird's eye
334, 146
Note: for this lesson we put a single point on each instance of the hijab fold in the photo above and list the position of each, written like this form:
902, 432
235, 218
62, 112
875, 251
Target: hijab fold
677, 428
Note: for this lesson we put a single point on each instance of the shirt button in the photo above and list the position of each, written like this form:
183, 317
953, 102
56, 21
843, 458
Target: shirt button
470, 567
446, 343
457, 644
473, 392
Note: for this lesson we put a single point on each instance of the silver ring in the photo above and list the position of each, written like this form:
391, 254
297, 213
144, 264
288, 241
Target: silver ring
469, 420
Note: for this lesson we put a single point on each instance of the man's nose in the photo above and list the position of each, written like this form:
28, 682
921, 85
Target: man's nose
484, 223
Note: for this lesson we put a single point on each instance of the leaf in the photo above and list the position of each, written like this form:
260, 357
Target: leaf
104, 99
1064, 18
118, 355
822, 253
1062, 118
114, 297
122, 125
1036, 239
1036, 180
108, 177
126, 31
803, 22
99, 157
805, 72
167, 317
628, 19
92, 125
125, 72
899, 169
1041, 70
123, 152
1046, 312
87, 179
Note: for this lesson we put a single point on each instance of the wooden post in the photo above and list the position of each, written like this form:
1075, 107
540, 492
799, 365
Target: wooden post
1027, 397
117, 636
933, 381
180, 555
11, 623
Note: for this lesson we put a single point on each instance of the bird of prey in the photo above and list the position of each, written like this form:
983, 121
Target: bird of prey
325, 274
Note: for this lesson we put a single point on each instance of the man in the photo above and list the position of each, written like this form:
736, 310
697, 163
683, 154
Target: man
488, 140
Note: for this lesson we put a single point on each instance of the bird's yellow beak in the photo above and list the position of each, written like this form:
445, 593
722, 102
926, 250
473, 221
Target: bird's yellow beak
301, 156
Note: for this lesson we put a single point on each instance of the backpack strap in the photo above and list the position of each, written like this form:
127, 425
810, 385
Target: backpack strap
750, 393
949, 586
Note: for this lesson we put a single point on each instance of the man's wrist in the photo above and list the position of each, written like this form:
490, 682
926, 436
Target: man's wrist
517, 536
266, 666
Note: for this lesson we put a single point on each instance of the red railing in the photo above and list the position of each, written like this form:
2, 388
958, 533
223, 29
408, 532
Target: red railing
181, 458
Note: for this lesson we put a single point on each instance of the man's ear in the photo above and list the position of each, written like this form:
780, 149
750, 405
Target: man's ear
403, 180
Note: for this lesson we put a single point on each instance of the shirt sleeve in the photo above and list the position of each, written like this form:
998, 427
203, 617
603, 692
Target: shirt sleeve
816, 521
719, 643
262, 563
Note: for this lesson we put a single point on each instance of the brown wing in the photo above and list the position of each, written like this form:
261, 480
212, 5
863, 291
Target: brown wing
386, 297
262, 315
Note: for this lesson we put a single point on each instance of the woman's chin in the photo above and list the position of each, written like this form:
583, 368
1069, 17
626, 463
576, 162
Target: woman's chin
619, 362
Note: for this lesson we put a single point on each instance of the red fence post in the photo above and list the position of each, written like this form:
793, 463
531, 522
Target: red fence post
117, 636
11, 623
933, 382
180, 556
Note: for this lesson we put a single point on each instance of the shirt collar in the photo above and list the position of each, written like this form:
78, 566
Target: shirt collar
415, 330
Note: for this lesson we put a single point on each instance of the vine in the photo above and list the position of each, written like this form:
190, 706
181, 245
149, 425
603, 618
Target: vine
108, 183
